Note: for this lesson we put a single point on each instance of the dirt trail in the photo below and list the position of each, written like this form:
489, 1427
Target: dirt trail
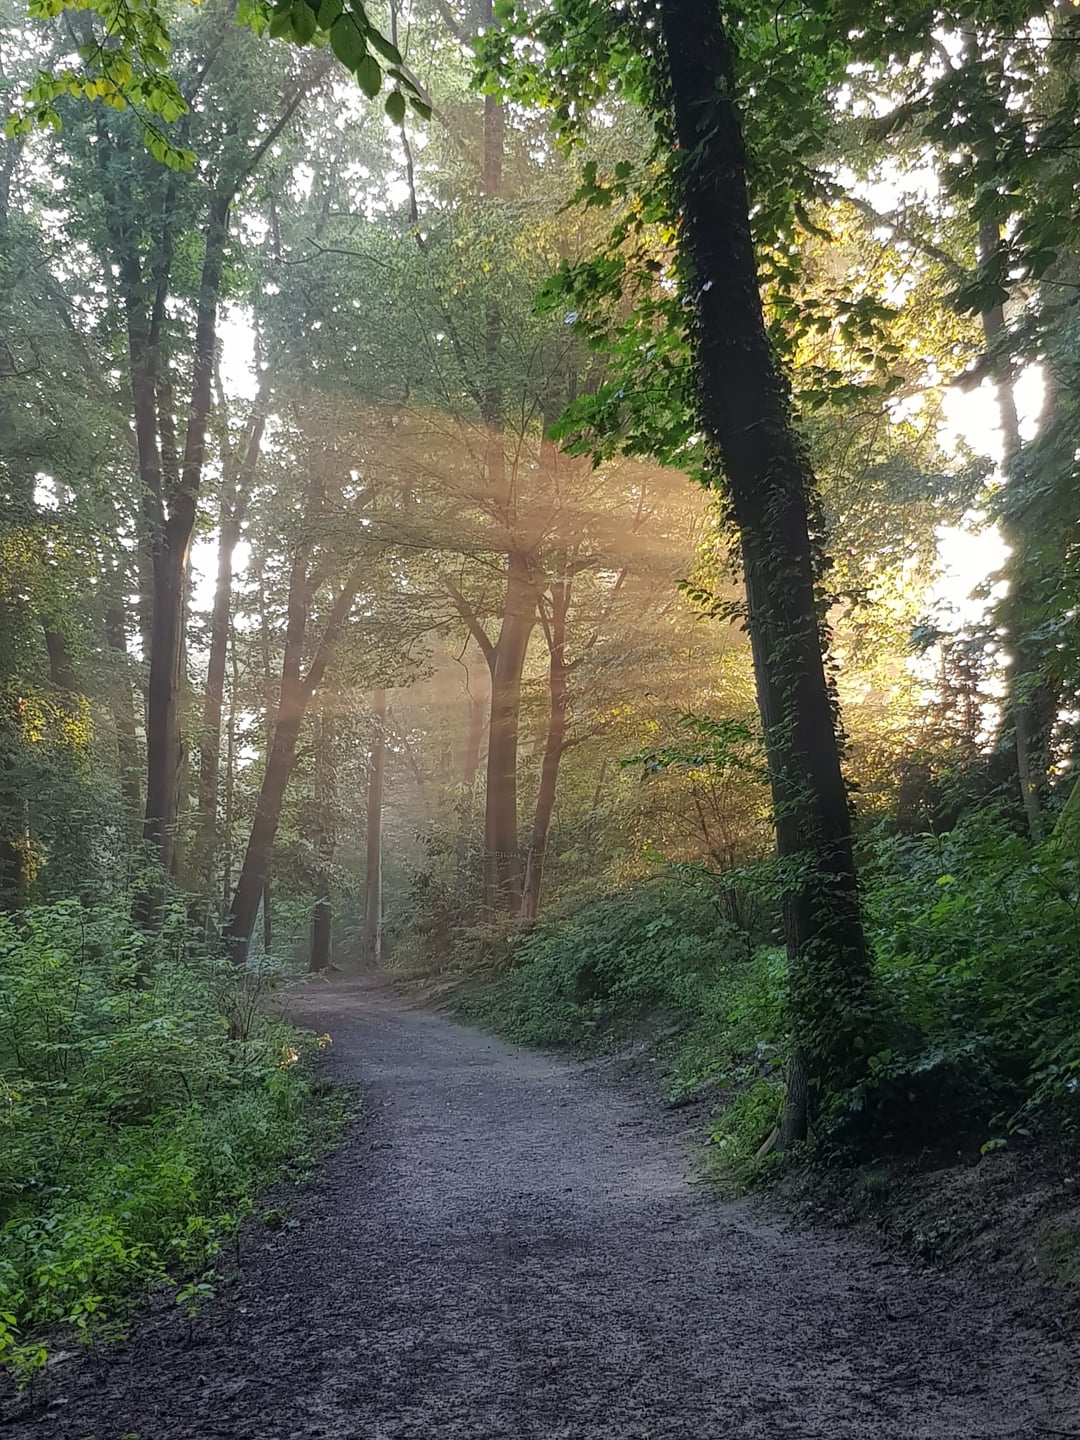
510, 1250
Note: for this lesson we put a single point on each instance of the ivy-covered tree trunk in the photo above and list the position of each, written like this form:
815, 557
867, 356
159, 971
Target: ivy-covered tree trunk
371, 942
769, 482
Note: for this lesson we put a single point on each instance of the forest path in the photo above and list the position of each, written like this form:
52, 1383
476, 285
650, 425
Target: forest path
510, 1249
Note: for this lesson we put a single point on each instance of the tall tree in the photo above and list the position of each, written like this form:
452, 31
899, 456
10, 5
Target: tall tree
371, 940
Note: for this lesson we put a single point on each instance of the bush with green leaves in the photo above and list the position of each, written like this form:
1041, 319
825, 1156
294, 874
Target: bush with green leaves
664, 946
976, 944
144, 1097
977, 949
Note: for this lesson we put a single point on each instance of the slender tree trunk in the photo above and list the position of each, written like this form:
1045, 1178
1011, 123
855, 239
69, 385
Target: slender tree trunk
17, 856
502, 859
230, 785
233, 511
470, 771
123, 708
770, 483
325, 843
1031, 705
296, 692
597, 796
371, 948
554, 748
474, 742
322, 926
268, 908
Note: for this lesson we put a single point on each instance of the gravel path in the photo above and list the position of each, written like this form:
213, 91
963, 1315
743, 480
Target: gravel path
510, 1249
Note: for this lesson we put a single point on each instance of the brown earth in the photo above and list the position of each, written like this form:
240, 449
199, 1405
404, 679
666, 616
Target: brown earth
511, 1249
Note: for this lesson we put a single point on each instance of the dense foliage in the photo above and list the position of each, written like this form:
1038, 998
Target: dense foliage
145, 1099
976, 952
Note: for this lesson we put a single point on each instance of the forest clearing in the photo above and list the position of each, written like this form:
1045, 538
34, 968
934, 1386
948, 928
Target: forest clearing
567, 515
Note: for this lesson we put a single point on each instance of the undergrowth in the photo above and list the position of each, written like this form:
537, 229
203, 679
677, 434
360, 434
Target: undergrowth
976, 944
145, 1098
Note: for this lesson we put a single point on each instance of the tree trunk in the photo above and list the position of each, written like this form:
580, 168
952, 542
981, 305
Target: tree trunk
770, 482
230, 785
502, 860
17, 855
1031, 705
163, 742
322, 926
267, 910
61, 669
296, 692
554, 747
233, 511
371, 946
325, 842
123, 708
470, 770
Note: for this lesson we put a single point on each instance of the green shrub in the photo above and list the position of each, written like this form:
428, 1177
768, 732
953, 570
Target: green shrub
143, 1100
977, 945
657, 946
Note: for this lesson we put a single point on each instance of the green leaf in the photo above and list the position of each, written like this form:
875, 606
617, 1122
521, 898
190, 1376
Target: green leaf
395, 107
304, 24
421, 107
329, 11
280, 27
384, 47
369, 76
346, 41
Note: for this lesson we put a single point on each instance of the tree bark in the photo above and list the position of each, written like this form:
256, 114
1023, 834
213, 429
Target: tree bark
502, 859
267, 909
371, 946
1030, 705
61, 669
233, 513
770, 482
123, 708
322, 927
230, 785
163, 741
297, 689
18, 861
554, 747
325, 843
470, 769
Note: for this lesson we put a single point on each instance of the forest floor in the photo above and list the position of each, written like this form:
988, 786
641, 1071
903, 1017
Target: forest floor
509, 1248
